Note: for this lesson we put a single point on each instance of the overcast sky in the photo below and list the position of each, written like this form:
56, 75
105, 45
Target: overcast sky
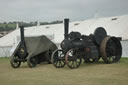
50, 10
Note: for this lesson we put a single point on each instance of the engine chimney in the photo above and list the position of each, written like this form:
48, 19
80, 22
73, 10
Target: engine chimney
66, 27
22, 33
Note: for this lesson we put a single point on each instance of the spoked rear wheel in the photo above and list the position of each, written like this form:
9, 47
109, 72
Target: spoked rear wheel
14, 62
73, 58
58, 58
111, 50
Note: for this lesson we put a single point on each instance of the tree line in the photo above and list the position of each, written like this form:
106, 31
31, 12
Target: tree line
8, 26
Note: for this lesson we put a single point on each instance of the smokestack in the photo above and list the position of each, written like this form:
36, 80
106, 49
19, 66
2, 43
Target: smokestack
22, 33
66, 27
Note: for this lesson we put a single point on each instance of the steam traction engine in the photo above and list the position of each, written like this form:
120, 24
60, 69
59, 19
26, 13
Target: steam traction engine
76, 47
33, 50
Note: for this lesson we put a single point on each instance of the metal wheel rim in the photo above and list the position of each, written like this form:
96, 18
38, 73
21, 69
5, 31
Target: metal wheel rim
111, 50
56, 58
75, 60
14, 63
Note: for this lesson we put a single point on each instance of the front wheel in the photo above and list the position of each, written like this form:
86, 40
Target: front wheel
14, 62
58, 58
32, 61
73, 58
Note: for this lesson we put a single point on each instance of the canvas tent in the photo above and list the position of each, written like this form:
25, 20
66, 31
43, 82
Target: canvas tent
115, 26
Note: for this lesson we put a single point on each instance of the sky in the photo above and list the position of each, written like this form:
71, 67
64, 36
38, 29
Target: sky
51, 10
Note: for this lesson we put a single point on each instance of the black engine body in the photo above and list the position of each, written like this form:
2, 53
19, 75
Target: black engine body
84, 43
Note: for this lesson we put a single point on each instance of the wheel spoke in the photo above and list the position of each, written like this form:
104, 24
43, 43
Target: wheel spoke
60, 64
72, 63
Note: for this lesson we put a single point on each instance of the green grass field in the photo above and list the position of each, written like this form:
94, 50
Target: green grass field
47, 74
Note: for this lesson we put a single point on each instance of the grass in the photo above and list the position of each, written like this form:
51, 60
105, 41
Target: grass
47, 74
